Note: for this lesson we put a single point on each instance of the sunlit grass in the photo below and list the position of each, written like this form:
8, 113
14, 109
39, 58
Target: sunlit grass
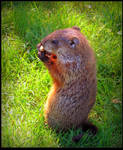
26, 82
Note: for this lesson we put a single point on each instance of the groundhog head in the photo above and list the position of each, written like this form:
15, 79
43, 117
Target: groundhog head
64, 53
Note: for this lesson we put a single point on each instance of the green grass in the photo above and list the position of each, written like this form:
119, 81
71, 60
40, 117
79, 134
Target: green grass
26, 82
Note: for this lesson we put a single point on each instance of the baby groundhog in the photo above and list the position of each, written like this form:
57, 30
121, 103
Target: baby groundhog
72, 66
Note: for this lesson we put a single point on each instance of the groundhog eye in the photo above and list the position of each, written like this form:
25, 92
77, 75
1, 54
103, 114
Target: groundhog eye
73, 42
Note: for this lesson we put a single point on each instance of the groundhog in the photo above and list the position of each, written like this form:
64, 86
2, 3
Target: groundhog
71, 63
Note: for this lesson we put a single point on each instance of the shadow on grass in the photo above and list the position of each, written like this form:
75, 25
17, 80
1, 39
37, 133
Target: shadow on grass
87, 139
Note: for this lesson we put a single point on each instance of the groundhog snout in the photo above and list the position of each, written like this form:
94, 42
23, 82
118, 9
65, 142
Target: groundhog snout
51, 45
46, 51
38, 46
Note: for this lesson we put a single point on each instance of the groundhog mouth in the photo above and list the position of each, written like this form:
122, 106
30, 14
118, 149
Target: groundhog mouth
46, 56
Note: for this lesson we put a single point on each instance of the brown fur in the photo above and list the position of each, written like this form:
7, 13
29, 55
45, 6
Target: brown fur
73, 71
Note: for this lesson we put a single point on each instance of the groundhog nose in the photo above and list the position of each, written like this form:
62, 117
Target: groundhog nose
55, 42
38, 45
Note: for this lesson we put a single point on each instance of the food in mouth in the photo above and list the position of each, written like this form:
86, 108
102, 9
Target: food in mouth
46, 56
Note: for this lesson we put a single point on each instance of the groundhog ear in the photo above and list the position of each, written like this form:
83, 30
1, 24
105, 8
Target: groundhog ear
76, 28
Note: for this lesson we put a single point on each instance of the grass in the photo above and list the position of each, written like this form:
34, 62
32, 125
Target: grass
26, 82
